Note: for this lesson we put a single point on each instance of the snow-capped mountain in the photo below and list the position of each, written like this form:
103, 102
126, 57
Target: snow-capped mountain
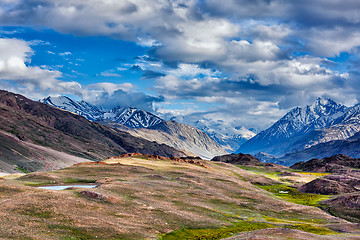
132, 117
294, 131
128, 116
82, 108
227, 136
341, 128
140, 123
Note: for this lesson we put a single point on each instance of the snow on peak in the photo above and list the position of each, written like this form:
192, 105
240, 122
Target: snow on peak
128, 116
297, 122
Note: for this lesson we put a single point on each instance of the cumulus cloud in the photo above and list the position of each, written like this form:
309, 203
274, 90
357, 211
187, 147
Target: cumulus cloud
261, 53
15, 56
119, 97
110, 87
18, 76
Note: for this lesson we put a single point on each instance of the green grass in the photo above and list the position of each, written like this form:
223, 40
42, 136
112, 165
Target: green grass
311, 229
36, 212
74, 232
293, 195
215, 233
272, 175
22, 169
78, 180
318, 174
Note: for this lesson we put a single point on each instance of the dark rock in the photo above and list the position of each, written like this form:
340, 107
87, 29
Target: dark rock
98, 196
335, 164
243, 159
331, 185
348, 201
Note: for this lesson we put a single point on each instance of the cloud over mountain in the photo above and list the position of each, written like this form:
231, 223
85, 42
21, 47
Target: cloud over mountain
235, 54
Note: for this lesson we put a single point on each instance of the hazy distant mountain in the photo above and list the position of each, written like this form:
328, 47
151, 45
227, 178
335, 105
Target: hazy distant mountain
128, 116
179, 136
301, 128
224, 134
265, 157
36, 136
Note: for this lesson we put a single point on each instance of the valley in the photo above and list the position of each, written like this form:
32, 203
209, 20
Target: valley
149, 197
71, 172
179, 120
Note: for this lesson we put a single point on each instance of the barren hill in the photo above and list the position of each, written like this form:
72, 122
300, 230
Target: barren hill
32, 122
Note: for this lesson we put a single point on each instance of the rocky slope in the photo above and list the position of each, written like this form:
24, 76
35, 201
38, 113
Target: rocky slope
179, 136
62, 131
345, 206
332, 185
143, 124
344, 178
128, 116
339, 163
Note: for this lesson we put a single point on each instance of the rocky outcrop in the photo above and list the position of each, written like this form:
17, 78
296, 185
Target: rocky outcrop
334, 164
242, 159
188, 159
348, 201
98, 196
345, 178
332, 185
346, 206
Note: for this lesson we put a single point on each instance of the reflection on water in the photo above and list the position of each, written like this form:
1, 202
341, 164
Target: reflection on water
62, 187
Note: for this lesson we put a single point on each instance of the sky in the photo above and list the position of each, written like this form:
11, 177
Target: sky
243, 62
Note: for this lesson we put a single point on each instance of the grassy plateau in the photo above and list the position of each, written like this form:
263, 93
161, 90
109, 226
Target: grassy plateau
142, 198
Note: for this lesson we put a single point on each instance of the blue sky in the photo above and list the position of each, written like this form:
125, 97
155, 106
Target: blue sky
239, 61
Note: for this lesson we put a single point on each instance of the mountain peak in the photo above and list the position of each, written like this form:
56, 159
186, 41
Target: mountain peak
323, 101
128, 116
296, 123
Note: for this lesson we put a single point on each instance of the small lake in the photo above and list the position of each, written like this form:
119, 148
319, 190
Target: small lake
63, 187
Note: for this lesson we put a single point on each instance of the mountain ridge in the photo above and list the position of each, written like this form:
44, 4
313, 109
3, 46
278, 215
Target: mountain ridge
302, 128
128, 116
179, 136
143, 124
62, 131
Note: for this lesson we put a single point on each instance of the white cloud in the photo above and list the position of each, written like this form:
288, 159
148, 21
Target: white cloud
15, 56
110, 87
256, 48
331, 42
65, 54
109, 74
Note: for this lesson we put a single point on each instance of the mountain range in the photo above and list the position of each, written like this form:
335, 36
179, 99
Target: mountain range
128, 116
35, 136
226, 136
143, 124
319, 130
308, 132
